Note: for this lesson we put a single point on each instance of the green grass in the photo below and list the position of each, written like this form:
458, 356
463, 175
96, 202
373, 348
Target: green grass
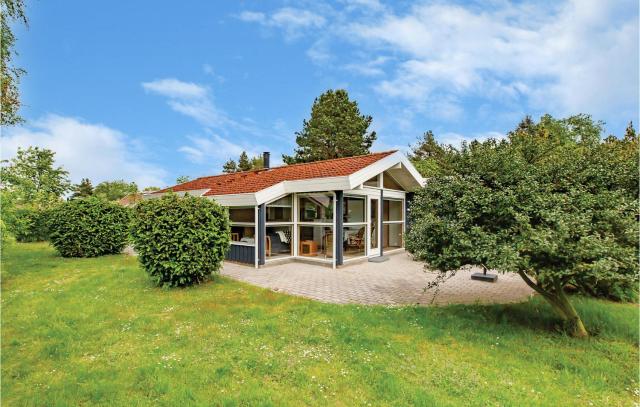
95, 331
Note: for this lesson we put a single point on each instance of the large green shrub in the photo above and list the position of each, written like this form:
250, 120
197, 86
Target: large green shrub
180, 241
27, 224
88, 227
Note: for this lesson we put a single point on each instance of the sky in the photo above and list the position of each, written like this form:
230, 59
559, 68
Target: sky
147, 91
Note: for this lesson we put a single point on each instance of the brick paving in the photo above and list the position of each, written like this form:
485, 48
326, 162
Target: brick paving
399, 281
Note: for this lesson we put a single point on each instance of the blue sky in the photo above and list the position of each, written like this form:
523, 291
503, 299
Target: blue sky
147, 91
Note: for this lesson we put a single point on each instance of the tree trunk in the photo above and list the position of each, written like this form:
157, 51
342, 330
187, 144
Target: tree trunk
561, 305
575, 325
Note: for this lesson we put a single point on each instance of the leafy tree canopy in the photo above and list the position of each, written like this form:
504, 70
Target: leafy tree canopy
114, 190
182, 179
336, 129
33, 179
553, 203
10, 11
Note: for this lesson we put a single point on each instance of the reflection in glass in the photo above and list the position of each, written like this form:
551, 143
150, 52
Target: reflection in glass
316, 208
280, 210
353, 210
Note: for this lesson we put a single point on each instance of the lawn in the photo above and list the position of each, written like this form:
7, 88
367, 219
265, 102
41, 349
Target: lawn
95, 331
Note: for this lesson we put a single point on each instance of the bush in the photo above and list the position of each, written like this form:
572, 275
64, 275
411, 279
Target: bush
180, 241
28, 224
88, 227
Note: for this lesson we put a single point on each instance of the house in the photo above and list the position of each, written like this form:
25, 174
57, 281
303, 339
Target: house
332, 211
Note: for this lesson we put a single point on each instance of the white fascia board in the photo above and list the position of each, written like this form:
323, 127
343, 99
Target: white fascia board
389, 193
305, 185
382, 165
375, 193
248, 199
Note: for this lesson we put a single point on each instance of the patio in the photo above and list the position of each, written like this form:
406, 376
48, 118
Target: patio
398, 281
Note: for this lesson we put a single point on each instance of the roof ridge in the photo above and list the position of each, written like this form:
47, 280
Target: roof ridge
293, 165
207, 182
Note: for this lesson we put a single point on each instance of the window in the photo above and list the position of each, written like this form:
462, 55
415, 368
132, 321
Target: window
243, 215
392, 236
392, 223
392, 210
390, 183
280, 210
372, 182
317, 208
279, 241
354, 243
353, 210
243, 234
242, 225
354, 232
279, 228
316, 242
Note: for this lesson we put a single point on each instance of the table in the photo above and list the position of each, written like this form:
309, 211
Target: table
308, 248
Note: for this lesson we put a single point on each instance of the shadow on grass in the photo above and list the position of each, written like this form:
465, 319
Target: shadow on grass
602, 318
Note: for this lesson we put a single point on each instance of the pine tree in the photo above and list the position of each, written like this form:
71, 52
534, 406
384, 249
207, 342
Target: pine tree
428, 147
336, 129
243, 163
83, 189
230, 167
630, 133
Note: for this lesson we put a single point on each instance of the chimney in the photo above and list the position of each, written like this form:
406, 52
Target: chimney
265, 159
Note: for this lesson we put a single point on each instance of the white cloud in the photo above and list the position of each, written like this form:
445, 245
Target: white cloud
215, 148
293, 21
319, 53
195, 101
292, 18
579, 56
373, 67
456, 139
175, 88
560, 57
252, 16
86, 150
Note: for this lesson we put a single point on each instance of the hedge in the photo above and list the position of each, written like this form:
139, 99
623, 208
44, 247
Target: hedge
28, 224
180, 241
89, 227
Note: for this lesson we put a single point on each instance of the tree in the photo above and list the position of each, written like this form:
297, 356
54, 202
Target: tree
336, 129
243, 162
430, 157
630, 133
83, 189
548, 203
114, 190
151, 189
10, 10
32, 177
230, 167
182, 179
257, 163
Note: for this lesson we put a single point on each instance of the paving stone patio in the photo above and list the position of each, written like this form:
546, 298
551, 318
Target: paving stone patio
399, 281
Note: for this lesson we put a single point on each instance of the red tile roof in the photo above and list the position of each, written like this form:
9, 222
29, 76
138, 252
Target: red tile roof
257, 180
